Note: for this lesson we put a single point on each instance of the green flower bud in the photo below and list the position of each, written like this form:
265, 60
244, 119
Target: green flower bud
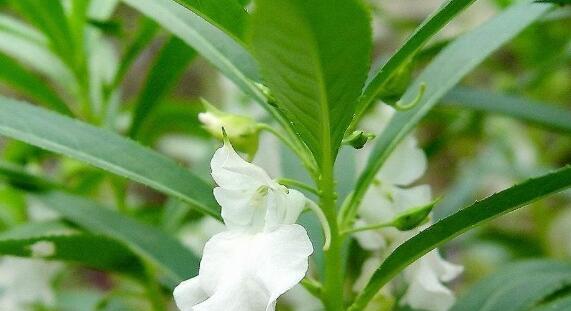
242, 131
413, 217
358, 139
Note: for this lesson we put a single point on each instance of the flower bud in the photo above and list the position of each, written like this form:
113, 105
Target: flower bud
358, 139
413, 217
242, 131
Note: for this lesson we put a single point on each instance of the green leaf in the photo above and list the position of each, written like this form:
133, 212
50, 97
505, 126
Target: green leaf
175, 260
542, 114
94, 251
228, 15
213, 44
460, 222
49, 17
167, 69
18, 176
314, 56
445, 71
225, 54
561, 304
517, 287
145, 34
421, 35
12, 73
174, 214
104, 149
559, 2
173, 116
30, 47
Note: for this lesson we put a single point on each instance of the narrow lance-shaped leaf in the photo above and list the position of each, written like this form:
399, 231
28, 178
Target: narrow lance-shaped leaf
463, 220
104, 149
19, 177
49, 17
228, 15
93, 251
316, 77
175, 260
168, 67
212, 43
518, 286
560, 304
144, 36
224, 53
422, 34
445, 71
31, 48
28, 83
524, 109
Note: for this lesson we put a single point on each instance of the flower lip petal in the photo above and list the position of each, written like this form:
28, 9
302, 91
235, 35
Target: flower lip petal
241, 271
189, 293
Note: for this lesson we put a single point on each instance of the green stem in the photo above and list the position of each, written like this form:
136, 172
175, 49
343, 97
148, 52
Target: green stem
334, 268
369, 227
297, 184
312, 286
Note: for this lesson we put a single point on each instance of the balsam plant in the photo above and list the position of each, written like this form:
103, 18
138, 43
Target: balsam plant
345, 217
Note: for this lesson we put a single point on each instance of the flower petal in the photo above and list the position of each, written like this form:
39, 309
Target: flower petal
283, 259
241, 271
237, 210
188, 294
370, 240
378, 204
283, 207
426, 291
405, 165
230, 171
408, 198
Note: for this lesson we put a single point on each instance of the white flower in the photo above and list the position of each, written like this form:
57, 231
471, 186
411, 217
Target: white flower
261, 255
425, 277
389, 196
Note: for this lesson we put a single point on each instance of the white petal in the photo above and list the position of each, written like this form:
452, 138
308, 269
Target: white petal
405, 165
426, 291
230, 171
239, 294
446, 271
377, 204
371, 239
188, 294
236, 206
283, 207
241, 271
408, 198
284, 258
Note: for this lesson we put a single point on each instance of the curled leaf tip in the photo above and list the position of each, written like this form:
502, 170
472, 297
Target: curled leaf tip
400, 106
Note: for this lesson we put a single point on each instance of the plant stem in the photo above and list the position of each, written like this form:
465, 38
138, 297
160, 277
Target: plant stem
334, 267
312, 286
297, 184
369, 227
